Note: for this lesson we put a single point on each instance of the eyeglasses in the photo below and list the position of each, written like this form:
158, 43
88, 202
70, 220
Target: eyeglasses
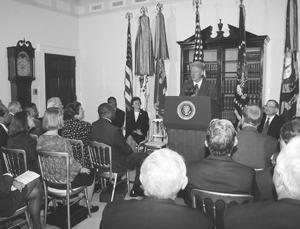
269, 107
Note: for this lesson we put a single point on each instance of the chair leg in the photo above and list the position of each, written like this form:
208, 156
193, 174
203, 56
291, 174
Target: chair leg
88, 204
68, 210
114, 187
28, 220
127, 177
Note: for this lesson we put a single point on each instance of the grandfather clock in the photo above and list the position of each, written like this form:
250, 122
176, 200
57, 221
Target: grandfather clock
21, 71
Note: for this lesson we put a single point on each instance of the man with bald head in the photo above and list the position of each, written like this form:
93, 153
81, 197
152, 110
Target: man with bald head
198, 80
123, 156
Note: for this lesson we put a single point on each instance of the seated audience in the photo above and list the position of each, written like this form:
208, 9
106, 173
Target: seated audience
51, 141
14, 107
271, 122
120, 115
266, 189
76, 128
123, 157
163, 174
5, 120
19, 138
30, 194
137, 124
219, 172
253, 149
283, 213
33, 111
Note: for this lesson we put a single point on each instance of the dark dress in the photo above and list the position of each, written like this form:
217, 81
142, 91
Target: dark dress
79, 130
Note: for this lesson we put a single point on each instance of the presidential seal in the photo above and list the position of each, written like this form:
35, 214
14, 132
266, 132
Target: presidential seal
186, 110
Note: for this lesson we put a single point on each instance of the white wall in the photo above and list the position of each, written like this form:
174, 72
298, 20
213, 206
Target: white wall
101, 41
40, 27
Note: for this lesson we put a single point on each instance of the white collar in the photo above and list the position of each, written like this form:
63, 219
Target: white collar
107, 119
4, 127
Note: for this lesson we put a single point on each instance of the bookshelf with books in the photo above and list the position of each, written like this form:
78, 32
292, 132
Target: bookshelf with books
221, 59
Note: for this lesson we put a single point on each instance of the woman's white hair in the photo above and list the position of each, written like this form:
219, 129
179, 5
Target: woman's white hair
288, 167
163, 174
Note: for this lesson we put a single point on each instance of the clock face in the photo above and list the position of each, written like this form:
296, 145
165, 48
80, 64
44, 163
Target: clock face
23, 64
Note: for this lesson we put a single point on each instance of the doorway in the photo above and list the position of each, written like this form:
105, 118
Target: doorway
60, 77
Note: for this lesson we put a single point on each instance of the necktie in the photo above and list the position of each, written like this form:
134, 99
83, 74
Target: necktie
266, 127
197, 89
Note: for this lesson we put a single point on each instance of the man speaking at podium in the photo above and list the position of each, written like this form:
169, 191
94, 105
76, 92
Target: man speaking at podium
198, 86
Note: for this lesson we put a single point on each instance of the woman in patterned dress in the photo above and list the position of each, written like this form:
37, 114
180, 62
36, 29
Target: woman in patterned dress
75, 128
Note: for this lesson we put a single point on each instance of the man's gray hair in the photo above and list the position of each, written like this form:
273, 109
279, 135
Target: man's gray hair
288, 167
252, 115
163, 174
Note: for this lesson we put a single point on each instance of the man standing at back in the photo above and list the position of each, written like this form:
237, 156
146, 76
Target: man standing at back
120, 115
271, 122
123, 157
254, 149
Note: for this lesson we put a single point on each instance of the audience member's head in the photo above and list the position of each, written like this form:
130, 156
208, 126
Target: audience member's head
288, 131
271, 107
106, 111
163, 174
21, 123
54, 102
32, 109
53, 119
220, 137
5, 118
14, 107
286, 176
74, 111
112, 102
251, 116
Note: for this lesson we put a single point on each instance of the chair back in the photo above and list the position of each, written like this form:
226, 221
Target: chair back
77, 146
101, 158
218, 196
15, 161
157, 130
50, 164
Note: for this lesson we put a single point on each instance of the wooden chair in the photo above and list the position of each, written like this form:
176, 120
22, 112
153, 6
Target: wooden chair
77, 146
218, 196
16, 164
101, 160
158, 136
47, 161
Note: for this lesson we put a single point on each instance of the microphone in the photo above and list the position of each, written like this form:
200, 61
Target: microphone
189, 91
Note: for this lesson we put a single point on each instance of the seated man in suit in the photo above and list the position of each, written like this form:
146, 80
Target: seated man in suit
120, 115
123, 157
163, 174
266, 189
254, 149
5, 120
271, 122
219, 172
199, 83
283, 213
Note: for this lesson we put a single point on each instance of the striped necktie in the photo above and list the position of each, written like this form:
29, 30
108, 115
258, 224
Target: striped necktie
266, 127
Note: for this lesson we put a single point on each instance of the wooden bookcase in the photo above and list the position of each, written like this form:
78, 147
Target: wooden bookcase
221, 58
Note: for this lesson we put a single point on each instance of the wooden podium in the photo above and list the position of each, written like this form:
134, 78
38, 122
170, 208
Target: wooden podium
186, 119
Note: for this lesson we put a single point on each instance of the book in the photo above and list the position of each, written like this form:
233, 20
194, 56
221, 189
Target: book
26, 178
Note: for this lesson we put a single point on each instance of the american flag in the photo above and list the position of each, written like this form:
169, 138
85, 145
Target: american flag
128, 71
241, 98
198, 53
290, 77
160, 89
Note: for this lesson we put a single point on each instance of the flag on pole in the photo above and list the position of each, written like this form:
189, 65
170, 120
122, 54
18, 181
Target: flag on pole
144, 91
128, 70
241, 98
198, 52
161, 54
290, 77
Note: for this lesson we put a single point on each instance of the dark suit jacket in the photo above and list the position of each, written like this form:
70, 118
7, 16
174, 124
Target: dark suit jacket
281, 214
122, 154
27, 143
274, 126
141, 123
10, 201
152, 213
254, 149
3, 142
119, 120
206, 89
